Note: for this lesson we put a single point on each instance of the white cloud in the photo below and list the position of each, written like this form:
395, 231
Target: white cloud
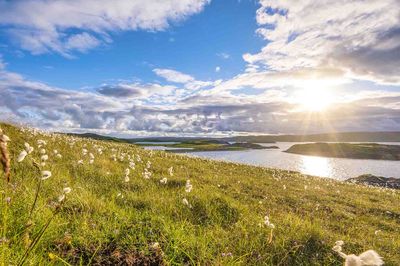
190, 83
217, 69
224, 55
173, 75
361, 37
81, 42
41, 26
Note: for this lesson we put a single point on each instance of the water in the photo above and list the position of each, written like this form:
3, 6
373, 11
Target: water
156, 142
164, 148
337, 168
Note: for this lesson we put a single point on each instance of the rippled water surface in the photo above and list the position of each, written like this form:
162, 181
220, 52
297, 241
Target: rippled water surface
338, 168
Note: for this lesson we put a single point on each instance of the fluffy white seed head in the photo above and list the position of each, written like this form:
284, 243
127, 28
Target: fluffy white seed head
22, 156
46, 174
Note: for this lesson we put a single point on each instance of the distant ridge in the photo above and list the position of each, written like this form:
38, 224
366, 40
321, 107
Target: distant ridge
383, 136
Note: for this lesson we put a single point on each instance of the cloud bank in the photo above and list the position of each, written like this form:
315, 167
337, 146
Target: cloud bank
67, 26
320, 44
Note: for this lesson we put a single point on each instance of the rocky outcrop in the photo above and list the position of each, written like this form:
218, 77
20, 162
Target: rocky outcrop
378, 181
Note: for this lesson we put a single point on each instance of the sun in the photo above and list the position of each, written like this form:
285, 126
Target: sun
314, 99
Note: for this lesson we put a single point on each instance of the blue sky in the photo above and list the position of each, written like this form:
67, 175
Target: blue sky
200, 67
196, 45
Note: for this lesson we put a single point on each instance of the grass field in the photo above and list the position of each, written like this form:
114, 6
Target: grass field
112, 217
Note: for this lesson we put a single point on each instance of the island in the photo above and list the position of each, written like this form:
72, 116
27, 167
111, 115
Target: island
211, 145
348, 150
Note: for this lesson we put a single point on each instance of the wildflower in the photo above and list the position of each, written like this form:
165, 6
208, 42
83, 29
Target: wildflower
44, 157
41, 142
369, 257
148, 165
42, 151
91, 161
284, 186
126, 179
171, 171
55, 151
377, 232
22, 156
67, 190
146, 174
46, 174
132, 165
163, 181
186, 202
61, 198
188, 186
155, 245
268, 223
127, 171
80, 162
59, 155
91, 155
28, 148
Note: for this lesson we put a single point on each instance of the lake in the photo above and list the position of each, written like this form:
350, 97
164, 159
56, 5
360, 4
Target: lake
337, 168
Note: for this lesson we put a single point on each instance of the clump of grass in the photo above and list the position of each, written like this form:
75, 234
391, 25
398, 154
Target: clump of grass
227, 214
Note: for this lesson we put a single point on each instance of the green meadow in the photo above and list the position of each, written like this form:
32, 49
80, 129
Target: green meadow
115, 216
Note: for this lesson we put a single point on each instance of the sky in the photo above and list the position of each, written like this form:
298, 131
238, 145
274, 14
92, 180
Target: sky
200, 67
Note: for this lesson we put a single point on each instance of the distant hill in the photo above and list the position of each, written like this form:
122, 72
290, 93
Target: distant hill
334, 137
337, 137
348, 150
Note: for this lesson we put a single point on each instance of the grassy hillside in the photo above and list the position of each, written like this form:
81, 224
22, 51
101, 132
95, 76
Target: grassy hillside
109, 219
347, 150
211, 145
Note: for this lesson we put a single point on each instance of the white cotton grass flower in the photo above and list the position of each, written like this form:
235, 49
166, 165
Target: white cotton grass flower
80, 162
171, 171
46, 175
127, 171
44, 157
22, 156
268, 223
126, 179
132, 165
28, 148
55, 151
91, 161
186, 202
91, 155
67, 190
147, 174
188, 186
164, 181
367, 258
61, 198
41, 142
59, 155
42, 151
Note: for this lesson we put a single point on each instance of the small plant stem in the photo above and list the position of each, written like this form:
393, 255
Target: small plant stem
36, 197
36, 239
270, 236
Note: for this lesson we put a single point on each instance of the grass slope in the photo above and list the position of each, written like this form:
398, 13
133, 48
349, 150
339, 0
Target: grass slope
106, 221
348, 150
211, 145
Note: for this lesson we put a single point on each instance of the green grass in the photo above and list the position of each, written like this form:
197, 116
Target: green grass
208, 145
107, 221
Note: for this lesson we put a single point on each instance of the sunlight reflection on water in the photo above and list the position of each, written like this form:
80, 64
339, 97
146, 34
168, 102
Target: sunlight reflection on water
317, 166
